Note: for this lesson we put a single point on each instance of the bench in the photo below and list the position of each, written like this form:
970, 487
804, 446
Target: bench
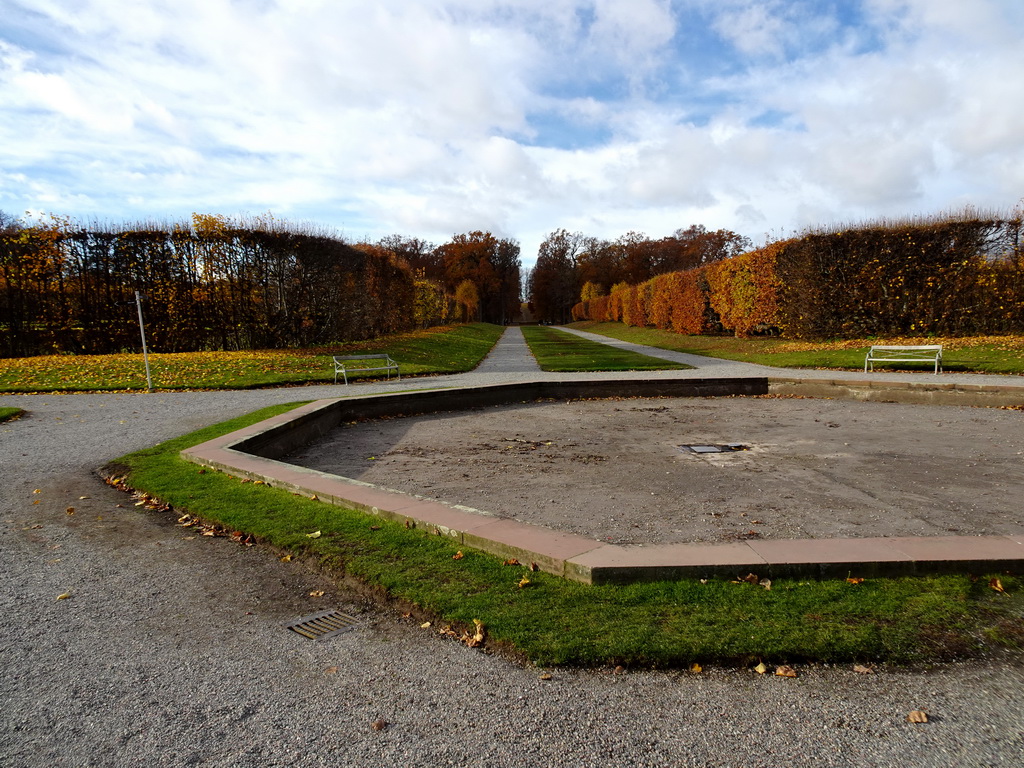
344, 365
919, 353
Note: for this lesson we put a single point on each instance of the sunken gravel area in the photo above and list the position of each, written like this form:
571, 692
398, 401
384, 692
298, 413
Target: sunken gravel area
613, 469
171, 651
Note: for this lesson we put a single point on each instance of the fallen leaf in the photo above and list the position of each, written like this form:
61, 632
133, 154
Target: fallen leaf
83, 497
512, 561
996, 584
478, 637
313, 535
286, 559
766, 583
63, 595
314, 497
317, 593
750, 578
619, 669
458, 555
917, 716
379, 725
862, 670
855, 580
546, 676
761, 668
69, 511
331, 671
425, 625
534, 567
36, 501
785, 671
37, 490
523, 582
696, 668
703, 581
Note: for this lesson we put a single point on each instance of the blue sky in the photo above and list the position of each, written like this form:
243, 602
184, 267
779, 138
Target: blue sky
432, 117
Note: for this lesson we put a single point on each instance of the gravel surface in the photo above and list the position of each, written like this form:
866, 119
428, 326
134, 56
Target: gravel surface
171, 651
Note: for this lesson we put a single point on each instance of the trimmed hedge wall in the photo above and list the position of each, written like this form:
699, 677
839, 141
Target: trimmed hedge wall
952, 277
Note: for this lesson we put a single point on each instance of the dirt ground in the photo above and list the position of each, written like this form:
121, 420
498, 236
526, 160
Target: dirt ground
613, 469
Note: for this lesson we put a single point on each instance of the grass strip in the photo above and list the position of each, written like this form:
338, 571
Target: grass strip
560, 351
553, 621
6, 414
447, 349
976, 354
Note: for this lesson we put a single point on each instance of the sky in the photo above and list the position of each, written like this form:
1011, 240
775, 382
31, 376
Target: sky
428, 118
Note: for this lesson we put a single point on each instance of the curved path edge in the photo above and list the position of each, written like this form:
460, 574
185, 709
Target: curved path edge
254, 452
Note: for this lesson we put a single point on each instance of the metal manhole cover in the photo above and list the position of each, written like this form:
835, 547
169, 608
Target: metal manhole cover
708, 448
323, 624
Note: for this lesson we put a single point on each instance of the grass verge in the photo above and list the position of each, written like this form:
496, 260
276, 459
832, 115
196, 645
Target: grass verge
552, 621
976, 354
560, 351
6, 414
448, 349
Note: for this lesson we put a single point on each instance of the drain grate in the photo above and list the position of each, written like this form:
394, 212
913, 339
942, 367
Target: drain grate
702, 448
323, 624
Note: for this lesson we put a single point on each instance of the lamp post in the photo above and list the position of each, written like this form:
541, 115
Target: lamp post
145, 352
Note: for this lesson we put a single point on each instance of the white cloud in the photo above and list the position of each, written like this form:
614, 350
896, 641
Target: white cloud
426, 118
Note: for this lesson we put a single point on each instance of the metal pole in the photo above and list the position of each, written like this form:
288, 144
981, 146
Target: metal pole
145, 352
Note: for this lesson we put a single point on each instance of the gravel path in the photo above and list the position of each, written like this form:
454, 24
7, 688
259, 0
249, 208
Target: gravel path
170, 650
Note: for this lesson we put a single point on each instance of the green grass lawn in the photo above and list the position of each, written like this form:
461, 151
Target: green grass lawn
449, 349
982, 354
560, 351
6, 414
552, 621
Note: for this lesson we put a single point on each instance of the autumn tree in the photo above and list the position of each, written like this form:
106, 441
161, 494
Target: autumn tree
554, 281
492, 265
695, 246
590, 291
599, 263
468, 298
422, 257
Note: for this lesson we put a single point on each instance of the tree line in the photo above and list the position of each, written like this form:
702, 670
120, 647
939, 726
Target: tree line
219, 283
572, 266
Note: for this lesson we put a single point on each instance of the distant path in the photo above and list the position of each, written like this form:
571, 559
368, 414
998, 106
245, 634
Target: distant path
510, 355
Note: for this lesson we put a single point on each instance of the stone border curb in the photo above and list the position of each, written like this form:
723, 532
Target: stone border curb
253, 452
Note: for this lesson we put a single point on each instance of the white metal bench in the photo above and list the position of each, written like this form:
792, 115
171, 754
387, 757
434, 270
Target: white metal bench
358, 363
920, 353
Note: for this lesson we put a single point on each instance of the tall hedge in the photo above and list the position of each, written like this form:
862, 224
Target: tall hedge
211, 284
956, 276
